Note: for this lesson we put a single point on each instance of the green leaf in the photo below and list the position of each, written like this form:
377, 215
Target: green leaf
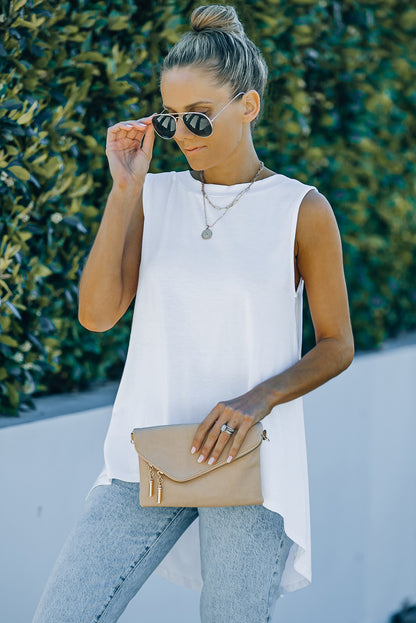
27, 117
9, 341
20, 172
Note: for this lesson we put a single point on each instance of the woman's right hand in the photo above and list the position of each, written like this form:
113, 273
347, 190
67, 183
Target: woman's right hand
129, 150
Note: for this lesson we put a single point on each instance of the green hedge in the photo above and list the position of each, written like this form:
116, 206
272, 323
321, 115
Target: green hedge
339, 114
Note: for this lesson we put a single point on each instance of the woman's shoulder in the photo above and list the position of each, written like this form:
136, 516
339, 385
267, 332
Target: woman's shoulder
314, 204
316, 220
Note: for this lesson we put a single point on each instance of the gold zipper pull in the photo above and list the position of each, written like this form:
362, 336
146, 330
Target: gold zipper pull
264, 435
150, 480
132, 438
159, 487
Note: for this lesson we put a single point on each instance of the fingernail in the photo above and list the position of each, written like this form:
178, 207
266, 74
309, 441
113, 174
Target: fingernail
201, 458
229, 459
193, 450
129, 125
210, 462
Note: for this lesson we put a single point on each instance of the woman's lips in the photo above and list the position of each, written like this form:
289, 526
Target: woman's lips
193, 150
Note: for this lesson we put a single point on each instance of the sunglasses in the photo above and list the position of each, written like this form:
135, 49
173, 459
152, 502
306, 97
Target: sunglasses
197, 122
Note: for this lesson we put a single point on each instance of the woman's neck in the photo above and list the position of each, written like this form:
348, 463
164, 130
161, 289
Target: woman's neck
229, 178
238, 167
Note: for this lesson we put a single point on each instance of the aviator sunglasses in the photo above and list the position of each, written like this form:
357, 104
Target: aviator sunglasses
197, 122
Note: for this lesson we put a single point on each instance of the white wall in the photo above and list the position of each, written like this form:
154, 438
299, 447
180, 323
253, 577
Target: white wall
360, 430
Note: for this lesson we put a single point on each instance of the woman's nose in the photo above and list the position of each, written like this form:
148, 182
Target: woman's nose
181, 129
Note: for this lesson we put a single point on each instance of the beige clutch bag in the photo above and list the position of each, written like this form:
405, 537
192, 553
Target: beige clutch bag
171, 476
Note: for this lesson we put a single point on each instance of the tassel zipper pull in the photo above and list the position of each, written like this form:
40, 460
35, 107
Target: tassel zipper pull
159, 483
159, 487
150, 481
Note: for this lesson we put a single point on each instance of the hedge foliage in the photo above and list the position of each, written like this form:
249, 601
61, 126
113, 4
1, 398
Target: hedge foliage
339, 114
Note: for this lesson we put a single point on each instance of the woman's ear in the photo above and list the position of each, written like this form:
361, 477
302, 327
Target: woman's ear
251, 105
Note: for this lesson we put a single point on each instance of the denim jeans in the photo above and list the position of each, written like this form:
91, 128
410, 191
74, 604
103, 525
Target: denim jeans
116, 545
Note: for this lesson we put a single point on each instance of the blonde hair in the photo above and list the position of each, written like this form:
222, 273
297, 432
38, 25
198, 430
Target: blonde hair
219, 43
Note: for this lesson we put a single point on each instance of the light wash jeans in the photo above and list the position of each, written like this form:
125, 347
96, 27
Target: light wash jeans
116, 545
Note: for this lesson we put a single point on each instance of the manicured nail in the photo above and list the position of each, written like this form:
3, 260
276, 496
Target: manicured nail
193, 450
129, 125
229, 459
201, 458
210, 462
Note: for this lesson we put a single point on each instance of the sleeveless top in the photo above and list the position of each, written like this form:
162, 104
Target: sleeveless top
212, 319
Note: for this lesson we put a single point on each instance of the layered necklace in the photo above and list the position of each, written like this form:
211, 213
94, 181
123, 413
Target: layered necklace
207, 232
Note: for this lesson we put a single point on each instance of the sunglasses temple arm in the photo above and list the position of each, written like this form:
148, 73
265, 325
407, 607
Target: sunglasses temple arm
235, 97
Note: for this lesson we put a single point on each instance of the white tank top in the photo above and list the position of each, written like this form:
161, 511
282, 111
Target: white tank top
212, 319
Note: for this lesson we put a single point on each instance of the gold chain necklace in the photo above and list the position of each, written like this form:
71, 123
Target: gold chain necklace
207, 232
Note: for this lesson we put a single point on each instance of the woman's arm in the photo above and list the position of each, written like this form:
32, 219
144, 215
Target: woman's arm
110, 276
318, 253
109, 279
319, 260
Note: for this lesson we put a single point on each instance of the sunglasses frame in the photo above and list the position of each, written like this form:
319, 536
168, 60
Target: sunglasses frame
202, 114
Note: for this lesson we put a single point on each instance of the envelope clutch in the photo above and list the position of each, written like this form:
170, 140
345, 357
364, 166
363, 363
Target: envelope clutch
171, 476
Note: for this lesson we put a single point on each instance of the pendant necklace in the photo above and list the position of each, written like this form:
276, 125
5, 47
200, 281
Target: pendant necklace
207, 232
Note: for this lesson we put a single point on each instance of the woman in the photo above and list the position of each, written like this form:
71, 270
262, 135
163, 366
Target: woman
224, 250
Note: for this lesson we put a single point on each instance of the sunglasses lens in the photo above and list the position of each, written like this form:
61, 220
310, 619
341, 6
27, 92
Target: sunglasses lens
164, 125
198, 124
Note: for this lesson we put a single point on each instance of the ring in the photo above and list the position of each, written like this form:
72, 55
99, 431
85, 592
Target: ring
227, 429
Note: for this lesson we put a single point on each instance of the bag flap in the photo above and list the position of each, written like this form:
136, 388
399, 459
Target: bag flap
168, 449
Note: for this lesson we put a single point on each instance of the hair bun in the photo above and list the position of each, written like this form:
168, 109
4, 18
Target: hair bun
217, 17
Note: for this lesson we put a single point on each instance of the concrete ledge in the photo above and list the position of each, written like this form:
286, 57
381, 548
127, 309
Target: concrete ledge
104, 394
403, 339
100, 395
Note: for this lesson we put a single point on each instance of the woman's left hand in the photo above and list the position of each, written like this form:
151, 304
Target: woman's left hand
240, 413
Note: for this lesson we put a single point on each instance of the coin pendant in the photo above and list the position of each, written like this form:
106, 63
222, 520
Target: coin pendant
206, 234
